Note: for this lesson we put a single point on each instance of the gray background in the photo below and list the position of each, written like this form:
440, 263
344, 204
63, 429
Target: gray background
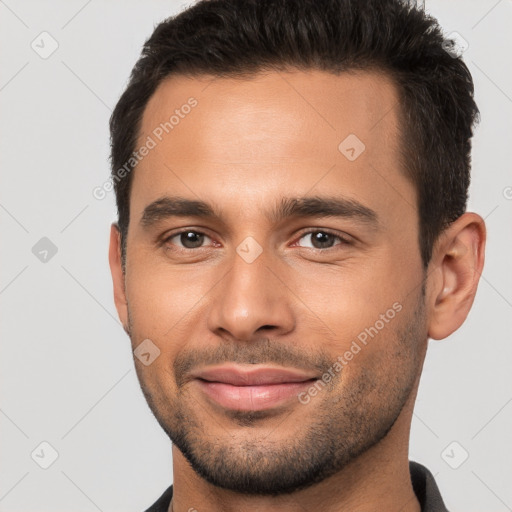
67, 374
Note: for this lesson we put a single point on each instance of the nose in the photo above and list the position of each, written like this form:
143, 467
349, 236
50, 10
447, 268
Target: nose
252, 300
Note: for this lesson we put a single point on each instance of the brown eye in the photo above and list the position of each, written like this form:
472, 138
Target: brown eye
188, 239
320, 239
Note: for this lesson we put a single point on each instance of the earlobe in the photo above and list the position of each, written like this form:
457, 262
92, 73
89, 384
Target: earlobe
116, 270
457, 265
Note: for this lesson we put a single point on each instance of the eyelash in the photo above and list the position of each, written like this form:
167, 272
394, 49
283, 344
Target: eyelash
344, 240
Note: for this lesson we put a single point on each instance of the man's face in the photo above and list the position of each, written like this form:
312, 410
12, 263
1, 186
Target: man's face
256, 284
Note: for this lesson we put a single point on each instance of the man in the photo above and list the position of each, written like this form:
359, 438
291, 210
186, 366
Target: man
291, 179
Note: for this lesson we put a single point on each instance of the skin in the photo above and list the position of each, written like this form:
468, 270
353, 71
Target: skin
246, 145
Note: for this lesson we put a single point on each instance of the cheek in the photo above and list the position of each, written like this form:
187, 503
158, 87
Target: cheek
162, 299
354, 300
385, 355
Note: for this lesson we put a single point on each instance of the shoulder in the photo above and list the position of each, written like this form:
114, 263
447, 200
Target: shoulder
426, 489
162, 503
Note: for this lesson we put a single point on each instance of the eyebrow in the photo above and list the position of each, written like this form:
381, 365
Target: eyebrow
288, 207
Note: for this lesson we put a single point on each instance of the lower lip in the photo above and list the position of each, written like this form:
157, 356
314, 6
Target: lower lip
252, 398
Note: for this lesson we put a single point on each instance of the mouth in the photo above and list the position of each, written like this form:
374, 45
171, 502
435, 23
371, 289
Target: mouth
254, 389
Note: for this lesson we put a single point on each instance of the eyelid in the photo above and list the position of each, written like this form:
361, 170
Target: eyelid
343, 237
165, 239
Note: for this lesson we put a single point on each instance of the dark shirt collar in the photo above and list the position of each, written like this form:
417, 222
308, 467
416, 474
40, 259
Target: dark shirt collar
423, 483
426, 489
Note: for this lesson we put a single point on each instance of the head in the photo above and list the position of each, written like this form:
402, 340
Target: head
291, 180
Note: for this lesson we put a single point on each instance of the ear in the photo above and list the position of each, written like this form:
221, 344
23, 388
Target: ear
116, 269
453, 274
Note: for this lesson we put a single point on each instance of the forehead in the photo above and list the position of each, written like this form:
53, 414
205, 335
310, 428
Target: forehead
276, 133
292, 106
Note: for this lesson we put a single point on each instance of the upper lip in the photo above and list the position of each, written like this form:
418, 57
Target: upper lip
238, 376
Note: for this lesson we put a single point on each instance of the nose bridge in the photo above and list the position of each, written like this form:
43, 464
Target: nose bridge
250, 297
